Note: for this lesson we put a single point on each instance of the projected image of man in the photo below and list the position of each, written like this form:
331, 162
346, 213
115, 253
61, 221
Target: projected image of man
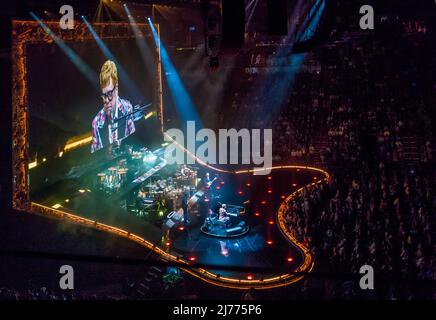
114, 121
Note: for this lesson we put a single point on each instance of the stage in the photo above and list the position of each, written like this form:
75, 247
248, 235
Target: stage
263, 257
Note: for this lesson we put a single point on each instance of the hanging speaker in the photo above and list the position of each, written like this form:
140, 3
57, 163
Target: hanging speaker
212, 17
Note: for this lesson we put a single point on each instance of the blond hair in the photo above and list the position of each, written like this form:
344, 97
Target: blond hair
108, 71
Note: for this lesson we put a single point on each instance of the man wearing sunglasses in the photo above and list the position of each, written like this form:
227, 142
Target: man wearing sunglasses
111, 125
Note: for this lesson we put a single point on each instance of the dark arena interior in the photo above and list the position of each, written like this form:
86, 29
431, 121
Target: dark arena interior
218, 149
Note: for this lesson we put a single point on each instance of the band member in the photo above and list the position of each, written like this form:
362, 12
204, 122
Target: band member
142, 194
160, 186
185, 171
206, 185
185, 201
106, 130
206, 179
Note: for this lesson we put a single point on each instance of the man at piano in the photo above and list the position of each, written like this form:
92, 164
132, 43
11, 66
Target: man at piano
223, 216
106, 128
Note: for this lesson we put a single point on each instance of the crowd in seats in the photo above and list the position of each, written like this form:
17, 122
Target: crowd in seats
43, 293
379, 208
382, 217
147, 286
367, 97
366, 89
414, 27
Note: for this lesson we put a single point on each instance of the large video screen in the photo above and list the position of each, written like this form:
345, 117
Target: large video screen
86, 110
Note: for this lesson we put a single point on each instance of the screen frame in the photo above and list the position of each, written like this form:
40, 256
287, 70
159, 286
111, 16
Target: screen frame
26, 32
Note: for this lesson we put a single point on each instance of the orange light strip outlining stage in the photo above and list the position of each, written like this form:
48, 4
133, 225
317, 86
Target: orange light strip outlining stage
201, 273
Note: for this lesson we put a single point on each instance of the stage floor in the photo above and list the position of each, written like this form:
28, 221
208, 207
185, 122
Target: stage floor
264, 246
263, 253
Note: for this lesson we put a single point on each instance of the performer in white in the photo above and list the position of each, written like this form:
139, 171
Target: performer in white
223, 216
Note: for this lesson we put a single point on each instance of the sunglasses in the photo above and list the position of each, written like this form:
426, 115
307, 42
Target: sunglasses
108, 96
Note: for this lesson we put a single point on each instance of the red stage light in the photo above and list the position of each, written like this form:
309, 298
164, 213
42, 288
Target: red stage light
290, 259
222, 182
249, 277
257, 214
181, 228
248, 184
269, 177
240, 192
269, 191
283, 197
269, 242
263, 202
294, 184
167, 243
218, 187
192, 258
271, 222
314, 178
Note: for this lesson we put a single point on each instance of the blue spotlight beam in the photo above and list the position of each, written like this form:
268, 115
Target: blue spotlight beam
131, 87
89, 74
144, 49
185, 108
100, 42
273, 88
312, 20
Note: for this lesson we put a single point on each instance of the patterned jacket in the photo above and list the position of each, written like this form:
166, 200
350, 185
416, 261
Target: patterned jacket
124, 108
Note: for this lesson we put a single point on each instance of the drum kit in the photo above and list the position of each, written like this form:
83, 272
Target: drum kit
186, 177
172, 188
163, 187
112, 179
